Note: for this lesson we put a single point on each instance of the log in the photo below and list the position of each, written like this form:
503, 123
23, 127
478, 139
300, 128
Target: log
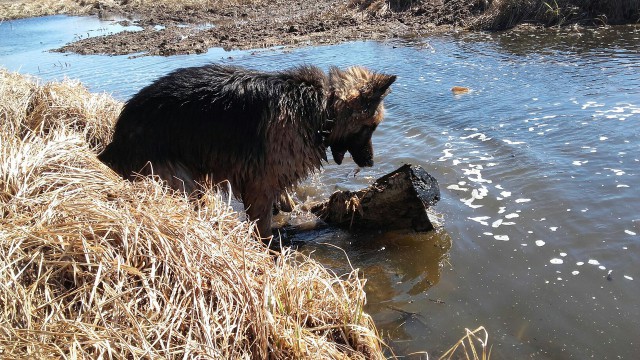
398, 200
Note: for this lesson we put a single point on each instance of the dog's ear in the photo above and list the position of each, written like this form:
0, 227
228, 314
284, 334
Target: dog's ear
357, 85
377, 87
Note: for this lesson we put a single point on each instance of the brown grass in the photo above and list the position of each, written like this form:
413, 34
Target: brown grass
96, 267
30, 8
505, 14
475, 14
380, 6
93, 266
17, 9
474, 345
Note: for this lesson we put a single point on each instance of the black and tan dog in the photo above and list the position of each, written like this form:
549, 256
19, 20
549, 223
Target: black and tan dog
263, 132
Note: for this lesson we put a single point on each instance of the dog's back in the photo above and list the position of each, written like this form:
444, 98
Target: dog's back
263, 132
223, 122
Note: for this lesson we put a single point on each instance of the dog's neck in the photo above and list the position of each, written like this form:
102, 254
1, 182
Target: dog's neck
325, 131
328, 122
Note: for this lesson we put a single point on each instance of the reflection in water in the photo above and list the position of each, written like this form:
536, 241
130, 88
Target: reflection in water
399, 266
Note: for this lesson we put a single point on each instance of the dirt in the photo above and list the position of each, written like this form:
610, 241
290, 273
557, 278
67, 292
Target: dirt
261, 24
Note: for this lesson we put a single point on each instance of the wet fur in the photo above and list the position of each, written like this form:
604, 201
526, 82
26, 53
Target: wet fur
263, 132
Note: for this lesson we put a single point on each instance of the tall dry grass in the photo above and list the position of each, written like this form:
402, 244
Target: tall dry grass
474, 345
31, 109
95, 267
505, 14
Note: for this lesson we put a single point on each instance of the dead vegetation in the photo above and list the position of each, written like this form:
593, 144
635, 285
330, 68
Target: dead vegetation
505, 14
93, 266
254, 24
96, 267
474, 14
10, 10
474, 345
165, 9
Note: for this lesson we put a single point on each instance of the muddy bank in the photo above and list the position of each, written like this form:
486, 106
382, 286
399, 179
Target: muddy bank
251, 25
193, 26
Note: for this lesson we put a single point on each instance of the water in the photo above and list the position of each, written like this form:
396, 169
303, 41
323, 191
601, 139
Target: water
538, 167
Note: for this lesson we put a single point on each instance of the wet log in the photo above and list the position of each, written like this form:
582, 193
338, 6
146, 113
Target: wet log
398, 200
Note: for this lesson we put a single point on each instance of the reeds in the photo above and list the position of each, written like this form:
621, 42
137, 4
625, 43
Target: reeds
473, 346
92, 266
505, 14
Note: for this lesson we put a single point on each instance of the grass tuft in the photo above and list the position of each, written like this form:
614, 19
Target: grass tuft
474, 345
97, 267
505, 14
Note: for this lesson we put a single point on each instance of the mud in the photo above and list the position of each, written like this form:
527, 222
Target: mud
261, 24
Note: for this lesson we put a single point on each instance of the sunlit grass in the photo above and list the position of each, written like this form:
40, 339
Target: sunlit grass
97, 267
473, 346
31, 8
504, 14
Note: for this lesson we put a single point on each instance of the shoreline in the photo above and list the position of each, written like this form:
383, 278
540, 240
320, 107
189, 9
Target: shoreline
258, 24
132, 268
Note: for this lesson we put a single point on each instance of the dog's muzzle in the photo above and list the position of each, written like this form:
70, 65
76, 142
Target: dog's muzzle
338, 155
362, 154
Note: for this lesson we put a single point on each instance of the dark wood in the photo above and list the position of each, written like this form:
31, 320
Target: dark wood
398, 200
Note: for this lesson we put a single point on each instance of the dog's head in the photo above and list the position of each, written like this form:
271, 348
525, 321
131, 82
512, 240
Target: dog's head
356, 108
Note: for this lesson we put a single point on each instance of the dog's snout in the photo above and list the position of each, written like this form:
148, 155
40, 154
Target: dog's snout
363, 155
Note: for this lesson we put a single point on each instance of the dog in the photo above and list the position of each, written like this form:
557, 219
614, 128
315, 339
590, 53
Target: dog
264, 132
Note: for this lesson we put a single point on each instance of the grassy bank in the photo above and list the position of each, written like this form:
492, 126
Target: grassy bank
18, 9
10, 10
504, 14
93, 266
472, 14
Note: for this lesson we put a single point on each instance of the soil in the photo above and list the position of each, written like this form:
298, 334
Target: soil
261, 24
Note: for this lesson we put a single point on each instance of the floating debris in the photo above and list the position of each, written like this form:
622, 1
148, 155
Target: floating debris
458, 90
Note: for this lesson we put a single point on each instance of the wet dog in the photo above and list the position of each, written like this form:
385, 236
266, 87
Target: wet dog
262, 131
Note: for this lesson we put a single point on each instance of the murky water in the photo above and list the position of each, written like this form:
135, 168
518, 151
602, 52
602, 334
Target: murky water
538, 165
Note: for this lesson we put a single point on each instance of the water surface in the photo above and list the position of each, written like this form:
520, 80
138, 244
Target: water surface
538, 167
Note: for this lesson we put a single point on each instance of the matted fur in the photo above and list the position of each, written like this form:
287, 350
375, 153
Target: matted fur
263, 132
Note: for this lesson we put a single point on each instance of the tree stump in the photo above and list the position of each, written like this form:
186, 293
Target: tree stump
398, 200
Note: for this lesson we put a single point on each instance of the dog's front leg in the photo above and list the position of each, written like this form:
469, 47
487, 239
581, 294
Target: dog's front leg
259, 208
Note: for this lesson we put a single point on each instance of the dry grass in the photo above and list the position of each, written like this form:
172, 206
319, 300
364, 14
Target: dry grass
30, 8
96, 267
381, 6
10, 9
505, 14
474, 345
29, 108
